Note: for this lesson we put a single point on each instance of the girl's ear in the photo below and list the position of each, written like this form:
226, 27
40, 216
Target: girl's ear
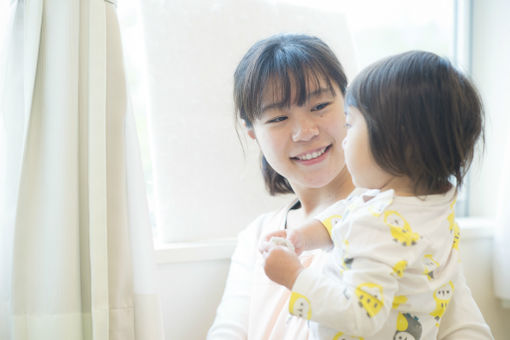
251, 133
249, 130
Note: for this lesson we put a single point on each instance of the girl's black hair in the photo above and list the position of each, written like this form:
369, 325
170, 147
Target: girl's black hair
423, 115
289, 63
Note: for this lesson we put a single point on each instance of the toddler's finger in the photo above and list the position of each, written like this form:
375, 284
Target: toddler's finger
279, 233
282, 242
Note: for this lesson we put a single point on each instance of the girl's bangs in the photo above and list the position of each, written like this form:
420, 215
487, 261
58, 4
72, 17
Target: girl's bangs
293, 85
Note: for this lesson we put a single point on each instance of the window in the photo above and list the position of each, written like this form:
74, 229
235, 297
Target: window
180, 57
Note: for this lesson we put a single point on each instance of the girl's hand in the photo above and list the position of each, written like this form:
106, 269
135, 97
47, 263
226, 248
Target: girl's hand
297, 239
265, 245
282, 266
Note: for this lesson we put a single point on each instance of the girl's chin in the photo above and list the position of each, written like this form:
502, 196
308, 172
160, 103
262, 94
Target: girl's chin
316, 182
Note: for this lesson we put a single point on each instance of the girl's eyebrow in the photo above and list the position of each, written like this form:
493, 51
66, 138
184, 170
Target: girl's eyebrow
278, 105
318, 92
268, 107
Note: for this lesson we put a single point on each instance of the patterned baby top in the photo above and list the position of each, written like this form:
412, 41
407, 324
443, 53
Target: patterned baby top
391, 273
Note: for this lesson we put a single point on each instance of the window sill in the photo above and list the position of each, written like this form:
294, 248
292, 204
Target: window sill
471, 228
194, 251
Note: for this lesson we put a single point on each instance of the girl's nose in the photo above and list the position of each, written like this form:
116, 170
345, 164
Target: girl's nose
304, 132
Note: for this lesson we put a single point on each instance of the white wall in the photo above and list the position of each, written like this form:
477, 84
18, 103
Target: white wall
491, 73
190, 293
490, 182
476, 253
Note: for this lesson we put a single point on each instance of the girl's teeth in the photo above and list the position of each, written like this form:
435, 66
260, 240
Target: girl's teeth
312, 155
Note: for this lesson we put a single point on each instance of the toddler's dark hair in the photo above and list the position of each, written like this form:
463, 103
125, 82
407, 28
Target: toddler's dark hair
424, 118
290, 63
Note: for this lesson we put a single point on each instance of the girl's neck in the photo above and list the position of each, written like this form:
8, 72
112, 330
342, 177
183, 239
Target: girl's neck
314, 200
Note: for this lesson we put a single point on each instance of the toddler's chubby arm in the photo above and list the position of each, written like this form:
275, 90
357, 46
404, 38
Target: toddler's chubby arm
312, 235
281, 263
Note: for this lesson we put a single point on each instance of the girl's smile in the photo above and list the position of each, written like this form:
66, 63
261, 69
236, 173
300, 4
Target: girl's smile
312, 157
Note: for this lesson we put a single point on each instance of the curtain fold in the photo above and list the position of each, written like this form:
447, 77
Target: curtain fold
76, 259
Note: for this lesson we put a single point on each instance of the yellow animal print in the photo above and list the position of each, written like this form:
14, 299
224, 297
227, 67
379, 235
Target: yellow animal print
398, 300
378, 208
300, 306
408, 327
442, 296
452, 205
454, 227
429, 265
456, 236
370, 297
331, 222
346, 264
342, 336
346, 261
400, 228
399, 268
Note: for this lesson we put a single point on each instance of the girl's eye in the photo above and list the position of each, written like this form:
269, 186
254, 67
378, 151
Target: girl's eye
277, 119
347, 125
320, 106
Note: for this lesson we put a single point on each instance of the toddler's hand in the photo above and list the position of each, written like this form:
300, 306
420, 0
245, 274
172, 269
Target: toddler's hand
280, 241
265, 244
297, 238
283, 238
282, 266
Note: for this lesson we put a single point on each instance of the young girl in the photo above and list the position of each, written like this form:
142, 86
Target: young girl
412, 124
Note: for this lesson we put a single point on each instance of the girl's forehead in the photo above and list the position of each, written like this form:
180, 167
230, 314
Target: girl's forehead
290, 90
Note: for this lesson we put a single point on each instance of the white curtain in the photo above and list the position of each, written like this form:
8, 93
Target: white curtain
76, 257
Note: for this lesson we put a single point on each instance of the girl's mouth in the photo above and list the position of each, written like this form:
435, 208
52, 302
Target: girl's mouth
312, 157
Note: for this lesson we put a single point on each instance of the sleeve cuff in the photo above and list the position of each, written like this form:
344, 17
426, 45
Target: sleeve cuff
299, 302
